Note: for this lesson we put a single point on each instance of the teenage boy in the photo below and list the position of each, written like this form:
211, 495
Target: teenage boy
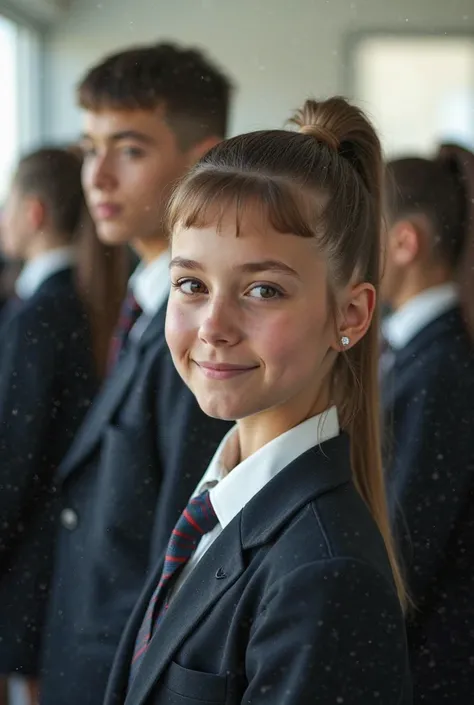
150, 113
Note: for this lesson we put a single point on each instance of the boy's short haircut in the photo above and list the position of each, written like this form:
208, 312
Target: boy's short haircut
192, 92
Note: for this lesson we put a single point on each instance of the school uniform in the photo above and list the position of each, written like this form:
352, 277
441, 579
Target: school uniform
289, 599
47, 381
427, 400
137, 457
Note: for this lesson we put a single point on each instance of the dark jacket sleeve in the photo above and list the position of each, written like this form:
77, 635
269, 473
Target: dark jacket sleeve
347, 646
26, 404
42, 396
431, 477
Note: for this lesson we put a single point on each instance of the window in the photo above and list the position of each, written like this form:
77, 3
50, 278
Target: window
19, 95
418, 89
9, 138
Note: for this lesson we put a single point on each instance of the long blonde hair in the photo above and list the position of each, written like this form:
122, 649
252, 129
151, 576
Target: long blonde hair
322, 182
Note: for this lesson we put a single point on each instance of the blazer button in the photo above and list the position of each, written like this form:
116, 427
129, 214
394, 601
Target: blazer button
69, 519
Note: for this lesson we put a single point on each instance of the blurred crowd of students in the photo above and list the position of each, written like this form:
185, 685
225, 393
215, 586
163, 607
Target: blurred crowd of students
102, 443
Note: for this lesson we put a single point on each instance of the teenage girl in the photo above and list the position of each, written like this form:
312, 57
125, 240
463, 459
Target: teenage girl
54, 336
280, 585
428, 388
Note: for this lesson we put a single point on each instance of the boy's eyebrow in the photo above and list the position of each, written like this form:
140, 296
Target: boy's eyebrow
134, 135
268, 265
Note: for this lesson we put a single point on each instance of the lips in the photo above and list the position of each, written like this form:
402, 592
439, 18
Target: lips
215, 370
107, 211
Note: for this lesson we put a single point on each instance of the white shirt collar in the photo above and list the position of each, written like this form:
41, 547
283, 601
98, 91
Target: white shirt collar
150, 284
403, 325
38, 270
236, 488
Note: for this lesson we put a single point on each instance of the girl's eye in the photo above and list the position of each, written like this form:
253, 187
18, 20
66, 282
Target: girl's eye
190, 286
265, 291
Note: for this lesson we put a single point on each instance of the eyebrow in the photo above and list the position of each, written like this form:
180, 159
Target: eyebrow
123, 135
268, 265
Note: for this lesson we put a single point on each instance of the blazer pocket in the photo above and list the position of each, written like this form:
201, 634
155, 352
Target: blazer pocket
186, 687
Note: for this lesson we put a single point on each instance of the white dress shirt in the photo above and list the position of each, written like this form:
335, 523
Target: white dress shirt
238, 483
403, 325
38, 270
150, 284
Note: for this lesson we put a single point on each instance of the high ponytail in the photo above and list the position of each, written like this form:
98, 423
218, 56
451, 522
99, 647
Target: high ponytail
344, 129
460, 162
325, 183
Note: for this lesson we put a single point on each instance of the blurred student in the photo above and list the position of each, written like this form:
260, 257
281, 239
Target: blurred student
50, 364
149, 114
428, 388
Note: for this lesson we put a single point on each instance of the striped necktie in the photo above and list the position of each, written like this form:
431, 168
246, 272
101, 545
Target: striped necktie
129, 314
197, 519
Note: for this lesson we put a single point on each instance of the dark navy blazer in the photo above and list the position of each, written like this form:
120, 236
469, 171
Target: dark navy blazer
47, 382
293, 604
138, 456
428, 402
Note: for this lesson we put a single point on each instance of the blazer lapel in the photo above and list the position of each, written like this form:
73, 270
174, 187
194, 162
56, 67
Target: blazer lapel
115, 388
408, 359
222, 564
317, 471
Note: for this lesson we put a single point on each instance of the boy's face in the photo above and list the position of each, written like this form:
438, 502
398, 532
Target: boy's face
19, 224
131, 162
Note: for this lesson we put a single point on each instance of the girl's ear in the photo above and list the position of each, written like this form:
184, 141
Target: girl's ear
355, 316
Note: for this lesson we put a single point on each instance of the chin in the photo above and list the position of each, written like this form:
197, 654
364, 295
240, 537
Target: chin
110, 234
225, 409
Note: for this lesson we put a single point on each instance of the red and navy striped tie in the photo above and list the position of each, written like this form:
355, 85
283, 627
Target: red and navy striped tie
129, 314
197, 519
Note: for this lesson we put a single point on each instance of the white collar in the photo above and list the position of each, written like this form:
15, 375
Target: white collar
150, 284
402, 326
236, 488
38, 270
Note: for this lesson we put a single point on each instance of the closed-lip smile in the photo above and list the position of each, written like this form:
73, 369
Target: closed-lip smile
223, 370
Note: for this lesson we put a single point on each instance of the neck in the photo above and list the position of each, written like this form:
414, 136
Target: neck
258, 430
420, 282
149, 250
45, 242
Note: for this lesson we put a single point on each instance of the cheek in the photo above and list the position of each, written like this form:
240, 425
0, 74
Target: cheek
291, 344
87, 177
180, 328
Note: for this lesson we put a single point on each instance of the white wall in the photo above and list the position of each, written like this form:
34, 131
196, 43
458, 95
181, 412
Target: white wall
279, 51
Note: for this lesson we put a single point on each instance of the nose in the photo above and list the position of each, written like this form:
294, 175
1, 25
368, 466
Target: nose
98, 173
221, 324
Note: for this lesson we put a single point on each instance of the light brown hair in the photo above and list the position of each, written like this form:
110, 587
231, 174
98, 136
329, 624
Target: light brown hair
53, 175
442, 190
193, 93
325, 183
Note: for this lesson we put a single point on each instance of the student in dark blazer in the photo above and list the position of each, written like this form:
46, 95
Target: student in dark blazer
149, 114
279, 583
49, 374
428, 387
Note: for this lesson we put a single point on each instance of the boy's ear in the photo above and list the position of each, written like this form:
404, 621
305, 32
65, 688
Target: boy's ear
36, 212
